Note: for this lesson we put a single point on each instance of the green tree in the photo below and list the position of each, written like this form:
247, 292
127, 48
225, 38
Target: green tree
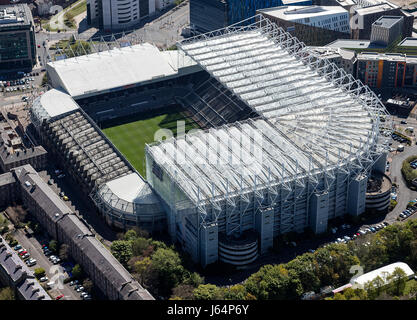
411, 289
77, 272
64, 252
142, 268
140, 246
193, 279
39, 272
166, 263
236, 292
182, 292
398, 280
375, 287
130, 235
88, 285
208, 292
6, 294
122, 251
53, 246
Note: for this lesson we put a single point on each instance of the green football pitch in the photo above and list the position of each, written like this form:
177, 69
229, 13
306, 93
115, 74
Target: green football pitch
130, 138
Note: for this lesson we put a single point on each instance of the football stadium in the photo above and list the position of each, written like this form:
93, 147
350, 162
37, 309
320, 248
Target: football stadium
282, 139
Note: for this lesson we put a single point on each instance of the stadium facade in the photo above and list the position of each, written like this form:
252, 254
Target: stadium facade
289, 139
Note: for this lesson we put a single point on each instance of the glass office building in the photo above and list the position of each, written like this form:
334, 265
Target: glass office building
17, 38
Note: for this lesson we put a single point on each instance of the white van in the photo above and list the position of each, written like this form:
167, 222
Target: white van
400, 148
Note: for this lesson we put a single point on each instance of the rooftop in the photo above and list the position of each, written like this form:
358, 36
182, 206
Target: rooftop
376, 6
15, 15
293, 13
75, 228
85, 75
354, 44
51, 104
98, 159
128, 190
387, 21
408, 42
383, 272
20, 275
331, 52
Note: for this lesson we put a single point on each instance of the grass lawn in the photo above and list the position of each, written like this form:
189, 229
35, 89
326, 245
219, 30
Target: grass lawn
130, 138
75, 11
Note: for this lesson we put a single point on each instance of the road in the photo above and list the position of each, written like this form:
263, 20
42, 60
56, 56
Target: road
80, 205
35, 249
163, 30
57, 21
405, 194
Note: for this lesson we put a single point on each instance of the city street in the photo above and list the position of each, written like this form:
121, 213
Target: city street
79, 205
35, 249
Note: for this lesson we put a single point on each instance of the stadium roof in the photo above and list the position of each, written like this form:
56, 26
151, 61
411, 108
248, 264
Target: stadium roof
51, 104
118, 67
315, 117
124, 192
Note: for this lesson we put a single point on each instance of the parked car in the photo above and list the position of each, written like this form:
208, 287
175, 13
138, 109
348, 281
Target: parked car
43, 279
17, 247
26, 256
59, 297
61, 176
31, 262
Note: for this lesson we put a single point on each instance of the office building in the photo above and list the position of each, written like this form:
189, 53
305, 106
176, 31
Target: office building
367, 12
114, 15
386, 30
17, 38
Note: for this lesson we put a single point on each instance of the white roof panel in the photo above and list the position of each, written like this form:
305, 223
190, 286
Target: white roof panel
114, 68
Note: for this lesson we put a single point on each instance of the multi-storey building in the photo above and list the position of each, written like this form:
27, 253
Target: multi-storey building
17, 37
314, 25
121, 14
387, 70
365, 13
344, 59
386, 30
